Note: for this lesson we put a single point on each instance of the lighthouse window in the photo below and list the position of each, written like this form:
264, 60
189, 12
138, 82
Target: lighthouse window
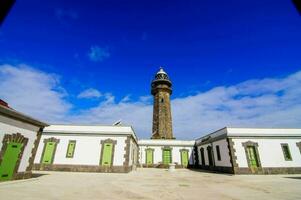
162, 100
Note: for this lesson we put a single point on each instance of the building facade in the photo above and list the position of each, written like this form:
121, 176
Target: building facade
250, 151
19, 139
162, 149
82, 148
160, 153
101, 148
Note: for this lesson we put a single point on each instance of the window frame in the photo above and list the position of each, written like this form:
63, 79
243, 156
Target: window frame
202, 155
218, 153
210, 155
46, 140
298, 144
68, 149
152, 152
181, 151
247, 144
103, 142
167, 148
283, 146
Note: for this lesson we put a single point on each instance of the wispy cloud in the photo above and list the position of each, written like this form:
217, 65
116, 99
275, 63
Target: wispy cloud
136, 114
98, 54
127, 98
89, 94
146, 98
270, 102
34, 92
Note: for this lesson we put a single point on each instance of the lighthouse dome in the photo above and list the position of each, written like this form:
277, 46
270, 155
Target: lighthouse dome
161, 75
161, 78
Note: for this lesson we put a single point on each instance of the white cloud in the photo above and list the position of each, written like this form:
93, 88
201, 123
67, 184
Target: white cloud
33, 92
271, 102
89, 94
254, 103
97, 54
146, 98
127, 98
137, 114
110, 99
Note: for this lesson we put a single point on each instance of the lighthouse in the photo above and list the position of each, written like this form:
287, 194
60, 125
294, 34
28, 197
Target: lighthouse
161, 89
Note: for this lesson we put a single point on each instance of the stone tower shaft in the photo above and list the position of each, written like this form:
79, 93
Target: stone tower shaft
162, 121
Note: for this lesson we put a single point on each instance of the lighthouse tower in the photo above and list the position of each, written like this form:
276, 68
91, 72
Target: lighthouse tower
162, 122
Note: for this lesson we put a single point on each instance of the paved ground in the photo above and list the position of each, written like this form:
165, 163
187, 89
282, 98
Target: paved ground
152, 184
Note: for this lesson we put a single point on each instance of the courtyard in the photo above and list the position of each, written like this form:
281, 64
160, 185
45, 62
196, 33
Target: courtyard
152, 184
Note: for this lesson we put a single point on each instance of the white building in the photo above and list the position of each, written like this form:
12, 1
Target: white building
160, 153
19, 139
250, 150
87, 148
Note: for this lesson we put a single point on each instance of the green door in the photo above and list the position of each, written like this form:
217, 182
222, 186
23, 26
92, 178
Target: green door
184, 158
9, 160
48, 153
107, 154
149, 156
166, 156
252, 157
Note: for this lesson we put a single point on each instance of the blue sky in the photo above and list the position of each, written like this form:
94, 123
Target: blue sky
97, 59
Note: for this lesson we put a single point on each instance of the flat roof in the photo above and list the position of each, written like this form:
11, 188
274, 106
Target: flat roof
253, 132
91, 129
11, 113
159, 142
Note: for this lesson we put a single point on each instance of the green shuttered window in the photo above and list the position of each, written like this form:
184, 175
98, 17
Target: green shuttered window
71, 149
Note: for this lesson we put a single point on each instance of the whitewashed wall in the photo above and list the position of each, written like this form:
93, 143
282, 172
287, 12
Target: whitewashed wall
270, 152
224, 152
133, 159
205, 154
176, 154
87, 149
11, 126
131, 156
